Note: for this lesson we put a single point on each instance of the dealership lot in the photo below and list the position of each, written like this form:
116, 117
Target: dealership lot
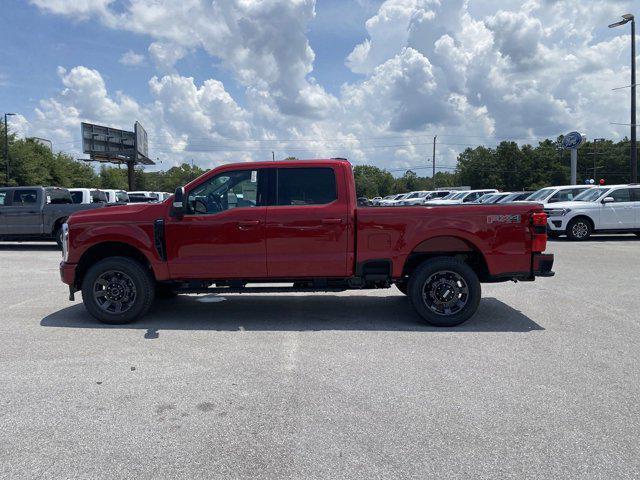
542, 383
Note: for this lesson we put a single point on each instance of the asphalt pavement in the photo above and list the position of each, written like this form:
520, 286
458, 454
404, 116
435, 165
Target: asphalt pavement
544, 382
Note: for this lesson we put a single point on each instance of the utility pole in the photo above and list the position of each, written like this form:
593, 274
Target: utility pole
6, 143
433, 175
626, 18
634, 144
595, 155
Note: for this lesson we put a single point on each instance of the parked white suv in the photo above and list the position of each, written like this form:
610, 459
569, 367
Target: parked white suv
415, 198
563, 193
464, 196
610, 209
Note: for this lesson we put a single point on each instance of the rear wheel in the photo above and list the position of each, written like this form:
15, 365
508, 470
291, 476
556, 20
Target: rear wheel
117, 290
579, 229
444, 291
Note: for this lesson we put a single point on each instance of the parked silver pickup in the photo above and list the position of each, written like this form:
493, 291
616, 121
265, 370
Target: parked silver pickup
36, 213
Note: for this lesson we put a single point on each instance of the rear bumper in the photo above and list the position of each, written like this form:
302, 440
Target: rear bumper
542, 264
68, 272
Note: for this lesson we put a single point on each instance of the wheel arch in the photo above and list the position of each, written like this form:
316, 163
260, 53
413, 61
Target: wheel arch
103, 250
586, 217
57, 224
447, 246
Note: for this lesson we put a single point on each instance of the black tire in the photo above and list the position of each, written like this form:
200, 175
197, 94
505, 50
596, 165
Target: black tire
579, 229
451, 291
129, 281
403, 287
57, 235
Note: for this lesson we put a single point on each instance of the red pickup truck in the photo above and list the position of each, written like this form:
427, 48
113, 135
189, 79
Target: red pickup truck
296, 223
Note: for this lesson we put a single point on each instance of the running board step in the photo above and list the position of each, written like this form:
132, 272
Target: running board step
259, 289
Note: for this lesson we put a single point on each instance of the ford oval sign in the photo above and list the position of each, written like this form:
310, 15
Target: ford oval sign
572, 140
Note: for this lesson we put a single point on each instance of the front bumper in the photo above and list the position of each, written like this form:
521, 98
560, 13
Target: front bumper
542, 263
68, 273
557, 224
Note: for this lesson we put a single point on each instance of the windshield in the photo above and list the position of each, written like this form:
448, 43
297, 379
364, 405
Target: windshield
485, 198
458, 196
590, 195
58, 196
98, 196
541, 194
122, 197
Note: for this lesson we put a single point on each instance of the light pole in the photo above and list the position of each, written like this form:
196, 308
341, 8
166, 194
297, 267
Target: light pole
627, 17
595, 154
6, 142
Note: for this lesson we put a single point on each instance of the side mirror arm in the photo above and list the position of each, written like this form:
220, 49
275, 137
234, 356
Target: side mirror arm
178, 207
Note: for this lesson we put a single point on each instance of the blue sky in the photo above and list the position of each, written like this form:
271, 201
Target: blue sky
371, 80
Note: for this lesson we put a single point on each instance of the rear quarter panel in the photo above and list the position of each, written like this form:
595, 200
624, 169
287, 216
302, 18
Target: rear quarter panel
395, 232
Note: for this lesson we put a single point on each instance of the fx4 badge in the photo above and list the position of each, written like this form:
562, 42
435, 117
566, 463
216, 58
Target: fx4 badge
503, 219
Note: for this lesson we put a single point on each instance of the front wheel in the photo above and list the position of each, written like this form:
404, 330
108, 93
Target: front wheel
117, 290
444, 291
578, 229
57, 235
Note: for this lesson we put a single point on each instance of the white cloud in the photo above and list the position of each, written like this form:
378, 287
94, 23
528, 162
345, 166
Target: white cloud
131, 59
478, 70
166, 55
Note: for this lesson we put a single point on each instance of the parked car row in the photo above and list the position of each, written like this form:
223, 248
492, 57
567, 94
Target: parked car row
576, 211
94, 195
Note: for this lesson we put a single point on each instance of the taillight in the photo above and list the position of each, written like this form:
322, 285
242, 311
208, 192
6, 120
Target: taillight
539, 224
540, 219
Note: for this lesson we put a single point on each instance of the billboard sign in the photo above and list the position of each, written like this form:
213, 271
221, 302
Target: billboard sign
106, 144
142, 140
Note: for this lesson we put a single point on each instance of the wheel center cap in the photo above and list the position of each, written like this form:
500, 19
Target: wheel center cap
445, 291
115, 291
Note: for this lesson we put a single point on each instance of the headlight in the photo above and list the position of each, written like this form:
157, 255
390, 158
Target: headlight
557, 212
65, 242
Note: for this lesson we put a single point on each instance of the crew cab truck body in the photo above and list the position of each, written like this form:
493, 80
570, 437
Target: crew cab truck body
36, 213
297, 222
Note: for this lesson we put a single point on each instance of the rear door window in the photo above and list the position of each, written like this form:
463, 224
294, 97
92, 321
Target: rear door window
621, 195
306, 186
3, 199
25, 197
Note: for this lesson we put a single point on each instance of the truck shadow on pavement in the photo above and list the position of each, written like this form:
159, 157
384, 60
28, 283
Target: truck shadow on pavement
295, 313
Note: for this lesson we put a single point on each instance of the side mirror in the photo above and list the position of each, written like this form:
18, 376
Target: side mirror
608, 200
178, 207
